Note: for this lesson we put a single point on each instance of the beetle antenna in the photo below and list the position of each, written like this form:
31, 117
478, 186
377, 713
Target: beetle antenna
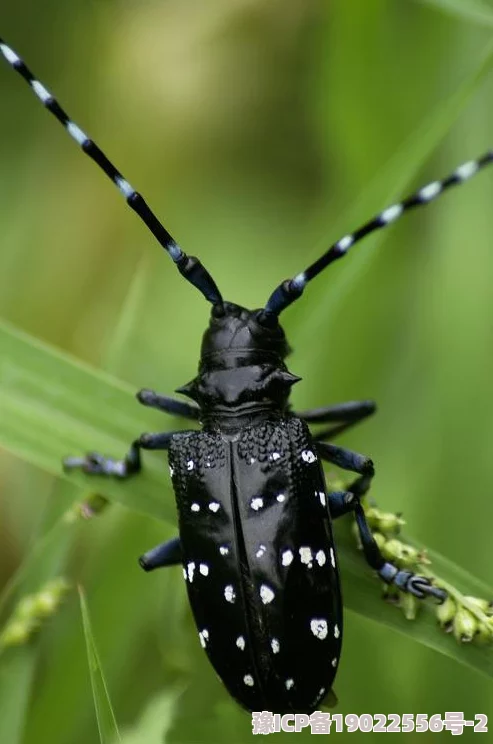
291, 289
189, 266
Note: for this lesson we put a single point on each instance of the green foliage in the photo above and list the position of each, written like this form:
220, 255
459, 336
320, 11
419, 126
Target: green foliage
259, 132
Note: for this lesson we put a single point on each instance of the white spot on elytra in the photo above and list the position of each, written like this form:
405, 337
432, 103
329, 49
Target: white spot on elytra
190, 465
306, 556
214, 506
204, 637
275, 456
229, 593
261, 550
320, 558
466, 170
319, 628
248, 680
266, 594
287, 557
337, 632
275, 645
257, 503
223, 549
43, 94
78, 135
308, 456
391, 214
204, 569
195, 507
171, 471
289, 683
334, 661
332, 558
240, 642
322, 498
280, 497
191, 569
430, 191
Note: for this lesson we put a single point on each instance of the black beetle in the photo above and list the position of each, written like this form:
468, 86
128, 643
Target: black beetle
255, 540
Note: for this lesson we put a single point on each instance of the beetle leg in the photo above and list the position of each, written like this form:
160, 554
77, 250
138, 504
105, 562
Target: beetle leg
96, 464
169, 405
406, 581
166, 554
346, 459
342, 502
350, 412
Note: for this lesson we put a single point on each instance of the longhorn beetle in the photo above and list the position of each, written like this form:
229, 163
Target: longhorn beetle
254, 514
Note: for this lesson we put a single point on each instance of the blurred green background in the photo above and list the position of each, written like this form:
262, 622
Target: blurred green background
259, 131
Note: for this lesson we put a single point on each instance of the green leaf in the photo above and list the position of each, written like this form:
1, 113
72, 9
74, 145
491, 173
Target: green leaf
17, 668
38, 379
155, 721
108, 729
52, 405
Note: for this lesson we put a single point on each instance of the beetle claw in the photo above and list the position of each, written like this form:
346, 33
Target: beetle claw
421, 587
95, 464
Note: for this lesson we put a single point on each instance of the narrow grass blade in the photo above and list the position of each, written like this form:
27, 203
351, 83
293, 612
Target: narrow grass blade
108, 729
473, 11
391, 183
17, 668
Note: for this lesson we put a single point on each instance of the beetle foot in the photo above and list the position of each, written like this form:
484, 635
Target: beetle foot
95, 464
421, 587
406, 581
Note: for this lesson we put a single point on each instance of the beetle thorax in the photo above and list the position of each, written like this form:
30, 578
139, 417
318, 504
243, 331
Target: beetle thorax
241, 371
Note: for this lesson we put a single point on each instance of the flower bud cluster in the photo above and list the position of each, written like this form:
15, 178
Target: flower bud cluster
467, 618
31, 612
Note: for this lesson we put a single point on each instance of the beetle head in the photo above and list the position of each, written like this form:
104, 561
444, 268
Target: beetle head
241, 361
233, 331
